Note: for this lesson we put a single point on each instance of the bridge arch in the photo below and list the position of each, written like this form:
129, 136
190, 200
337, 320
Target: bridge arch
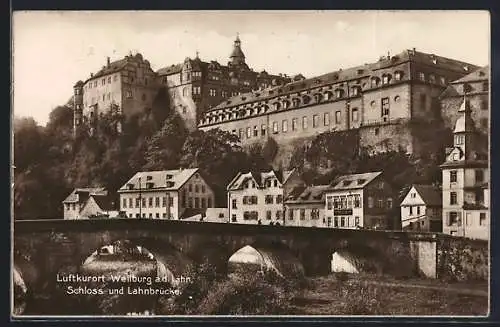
266, 256
170, 262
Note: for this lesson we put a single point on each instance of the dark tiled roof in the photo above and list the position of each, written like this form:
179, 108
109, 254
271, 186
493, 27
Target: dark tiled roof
309, 194
104, 202
480, 74
113, 67
164, 179
351, 73
85, 191
353, 181
173, 69
431, 195
259, 178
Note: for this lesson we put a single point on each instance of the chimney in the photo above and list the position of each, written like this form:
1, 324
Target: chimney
91, 74
108, 62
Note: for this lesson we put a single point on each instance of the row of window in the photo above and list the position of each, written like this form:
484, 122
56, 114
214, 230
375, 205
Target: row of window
344, 202
417, 211
197, 188
283, 126
302, 214
254, 215
197, 203
253, 199
354, 112
345, 221
454, 218
150, 215
196, 90
147, 202
379, 203
478, 174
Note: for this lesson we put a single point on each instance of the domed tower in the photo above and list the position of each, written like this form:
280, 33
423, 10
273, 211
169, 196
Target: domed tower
77, 104
237, 58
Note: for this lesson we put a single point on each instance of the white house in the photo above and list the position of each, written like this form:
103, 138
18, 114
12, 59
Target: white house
165, 194
359, 201
99, 206
75, 201
421, 209
257, 197
305, 206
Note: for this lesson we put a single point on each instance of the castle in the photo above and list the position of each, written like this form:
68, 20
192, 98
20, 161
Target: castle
129, 85
378, 101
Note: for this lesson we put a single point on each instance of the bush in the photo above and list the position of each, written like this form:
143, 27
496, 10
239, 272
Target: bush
248, 295
341, 276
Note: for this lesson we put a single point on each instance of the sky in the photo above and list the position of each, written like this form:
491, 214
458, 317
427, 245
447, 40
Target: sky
54, 49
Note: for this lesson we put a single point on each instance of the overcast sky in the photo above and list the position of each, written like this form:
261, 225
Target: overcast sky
52, 50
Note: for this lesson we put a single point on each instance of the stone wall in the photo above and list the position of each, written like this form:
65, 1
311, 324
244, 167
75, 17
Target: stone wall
461, 259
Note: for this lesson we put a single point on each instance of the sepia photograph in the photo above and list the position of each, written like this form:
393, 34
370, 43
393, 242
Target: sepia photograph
250, 164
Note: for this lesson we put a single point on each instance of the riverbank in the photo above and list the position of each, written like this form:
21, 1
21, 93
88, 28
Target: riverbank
349, 294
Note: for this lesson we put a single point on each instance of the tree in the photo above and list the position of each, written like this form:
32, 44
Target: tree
164, 147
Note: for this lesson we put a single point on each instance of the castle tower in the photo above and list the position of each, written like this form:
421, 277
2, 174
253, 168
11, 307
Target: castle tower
466, 181
237, 57
77, 105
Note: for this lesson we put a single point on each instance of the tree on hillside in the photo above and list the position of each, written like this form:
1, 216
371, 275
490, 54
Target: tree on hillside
164, 147
29, 143
217, 154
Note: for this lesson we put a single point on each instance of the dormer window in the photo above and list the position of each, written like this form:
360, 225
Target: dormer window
318, 97
356, 90
398, 75
148, 178
386, 78
375, 81
306, 99
286, 104
421, 76
296, 102
328, 96
277, 106
339, 93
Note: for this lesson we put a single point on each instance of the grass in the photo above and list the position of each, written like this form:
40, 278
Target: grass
341, 295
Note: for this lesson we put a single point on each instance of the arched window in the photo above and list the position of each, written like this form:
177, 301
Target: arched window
386, 78
398, 75
277, 106
318, 97
328, 95
286, 104
339, 93
185, 91
375, 81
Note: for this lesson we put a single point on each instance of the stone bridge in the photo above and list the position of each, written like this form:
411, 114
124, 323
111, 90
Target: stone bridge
43, 247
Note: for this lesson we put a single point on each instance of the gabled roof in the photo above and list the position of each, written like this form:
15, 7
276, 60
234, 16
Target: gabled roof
481, 74
104, 202
354, 181
351, 73
430, 194
113, 67
173, 69
259, 178
162, 179
307, 194
74, 196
